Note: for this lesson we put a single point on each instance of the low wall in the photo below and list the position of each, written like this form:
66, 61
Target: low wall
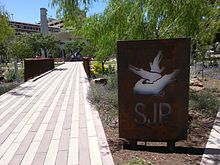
86, 65
36, 66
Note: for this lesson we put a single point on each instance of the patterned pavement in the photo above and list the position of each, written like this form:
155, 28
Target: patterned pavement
48, 120
211, 155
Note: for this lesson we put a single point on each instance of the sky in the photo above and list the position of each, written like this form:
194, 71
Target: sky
29, 10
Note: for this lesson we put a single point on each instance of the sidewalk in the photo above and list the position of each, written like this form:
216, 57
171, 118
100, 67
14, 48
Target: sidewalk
49, 121
211, 155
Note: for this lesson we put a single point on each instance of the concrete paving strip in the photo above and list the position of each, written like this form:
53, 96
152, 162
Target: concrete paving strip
211, 154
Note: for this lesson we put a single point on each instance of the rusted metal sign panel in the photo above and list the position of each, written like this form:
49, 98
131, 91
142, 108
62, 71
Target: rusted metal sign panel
153, 78
36, 66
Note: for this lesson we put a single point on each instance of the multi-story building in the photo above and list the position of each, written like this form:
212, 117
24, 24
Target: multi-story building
55, 23
21, 27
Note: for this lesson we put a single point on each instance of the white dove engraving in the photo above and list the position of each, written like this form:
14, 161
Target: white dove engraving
152, 83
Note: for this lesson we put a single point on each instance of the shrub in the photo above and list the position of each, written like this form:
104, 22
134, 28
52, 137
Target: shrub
137, 161
96, 70
204, 101
7, 87
9, 75
105, 98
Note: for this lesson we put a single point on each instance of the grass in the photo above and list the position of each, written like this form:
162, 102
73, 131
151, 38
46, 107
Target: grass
7, 87
137, 161
204, 101
56, 64
105, 98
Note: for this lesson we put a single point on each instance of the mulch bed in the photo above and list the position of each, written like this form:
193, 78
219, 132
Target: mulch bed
188, 151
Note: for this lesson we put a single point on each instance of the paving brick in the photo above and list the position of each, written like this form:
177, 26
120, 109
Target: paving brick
61, 158
73, 154
57, 131
67, 121
30, 154
64, 140
9, 153
45, 142
39, 159
22, 134
7, 143
40, 133
52, 152
83, 147
16, 160
94, 151
6, 133
25, 143
82, 121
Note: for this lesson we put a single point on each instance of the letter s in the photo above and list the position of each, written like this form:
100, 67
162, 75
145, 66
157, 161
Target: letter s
140, 117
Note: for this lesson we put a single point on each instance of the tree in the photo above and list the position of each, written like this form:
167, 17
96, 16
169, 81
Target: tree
20, 48
45, 42
30, 45
6, 31
145, 19
69, 8
73, 46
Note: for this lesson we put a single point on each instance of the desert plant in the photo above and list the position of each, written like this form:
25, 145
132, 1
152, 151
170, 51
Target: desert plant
9, 75
96, 70
137, 161
204, 101
105, 99
7, 87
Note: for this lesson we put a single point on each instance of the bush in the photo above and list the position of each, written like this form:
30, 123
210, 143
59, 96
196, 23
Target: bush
9, 75
137, 161
96, 70
7, 87
105, 98
204, 101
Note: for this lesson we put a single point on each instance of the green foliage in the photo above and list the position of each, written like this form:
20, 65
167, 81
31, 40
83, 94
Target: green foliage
6, 33
5, 29
105, 98
7, 87
29, 45
97, 71
9, 75
204, 101
71, 8
3, 52
137, 161
145, 19
46, 42
20, 48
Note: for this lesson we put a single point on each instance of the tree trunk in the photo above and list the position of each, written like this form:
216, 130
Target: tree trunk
103, 67
45, 53
16, 69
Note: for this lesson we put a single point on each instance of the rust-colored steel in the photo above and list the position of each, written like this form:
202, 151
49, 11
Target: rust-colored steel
86, 65
153, 81
36, 66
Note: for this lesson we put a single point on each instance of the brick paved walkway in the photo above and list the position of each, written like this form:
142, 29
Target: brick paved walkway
211, 155
48, 120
